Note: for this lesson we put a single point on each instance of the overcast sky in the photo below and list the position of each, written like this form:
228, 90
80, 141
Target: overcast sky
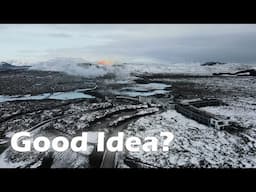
165, 43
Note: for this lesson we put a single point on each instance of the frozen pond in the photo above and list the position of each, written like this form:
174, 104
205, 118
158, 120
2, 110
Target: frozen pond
145, 90
156, 86
145, 94
77, 94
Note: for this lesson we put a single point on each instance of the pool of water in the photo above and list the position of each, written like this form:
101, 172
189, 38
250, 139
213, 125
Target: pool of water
145, 94
145, 90
156, 86
77, 94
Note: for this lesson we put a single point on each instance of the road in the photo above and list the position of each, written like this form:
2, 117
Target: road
109, 158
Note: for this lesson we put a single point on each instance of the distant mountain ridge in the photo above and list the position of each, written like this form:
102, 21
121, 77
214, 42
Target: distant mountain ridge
4, 66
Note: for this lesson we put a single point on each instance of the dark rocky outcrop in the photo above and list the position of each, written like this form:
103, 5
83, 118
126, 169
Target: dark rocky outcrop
7, 66
249, 72
211, 63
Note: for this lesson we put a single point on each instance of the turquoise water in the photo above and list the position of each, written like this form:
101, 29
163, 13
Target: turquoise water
56, 96
145, 94
145, 90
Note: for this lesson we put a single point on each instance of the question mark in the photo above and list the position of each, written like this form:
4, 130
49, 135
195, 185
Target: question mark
167, 141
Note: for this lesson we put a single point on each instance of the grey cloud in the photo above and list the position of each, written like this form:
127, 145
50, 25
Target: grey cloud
61, 35
169, 43
238, 47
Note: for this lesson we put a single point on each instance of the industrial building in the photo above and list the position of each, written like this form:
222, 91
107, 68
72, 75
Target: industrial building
191, 109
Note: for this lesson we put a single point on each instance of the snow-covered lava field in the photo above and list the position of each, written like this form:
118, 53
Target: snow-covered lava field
133, 98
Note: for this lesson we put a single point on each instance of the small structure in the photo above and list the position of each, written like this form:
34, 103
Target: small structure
191, 110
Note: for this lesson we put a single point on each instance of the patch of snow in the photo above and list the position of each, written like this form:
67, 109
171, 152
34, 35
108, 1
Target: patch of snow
92, 137
6, 163
66, 159
194, 144
186, 68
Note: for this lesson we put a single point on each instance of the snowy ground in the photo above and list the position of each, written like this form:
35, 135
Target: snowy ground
13, 159
69, 121
245, 116
194, 144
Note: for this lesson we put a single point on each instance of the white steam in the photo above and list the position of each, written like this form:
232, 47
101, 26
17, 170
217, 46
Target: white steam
89, 69
70, 66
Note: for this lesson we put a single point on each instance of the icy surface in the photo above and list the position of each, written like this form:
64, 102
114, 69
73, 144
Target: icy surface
140, 93
156, 86
70, 95
56, 96
148, 89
